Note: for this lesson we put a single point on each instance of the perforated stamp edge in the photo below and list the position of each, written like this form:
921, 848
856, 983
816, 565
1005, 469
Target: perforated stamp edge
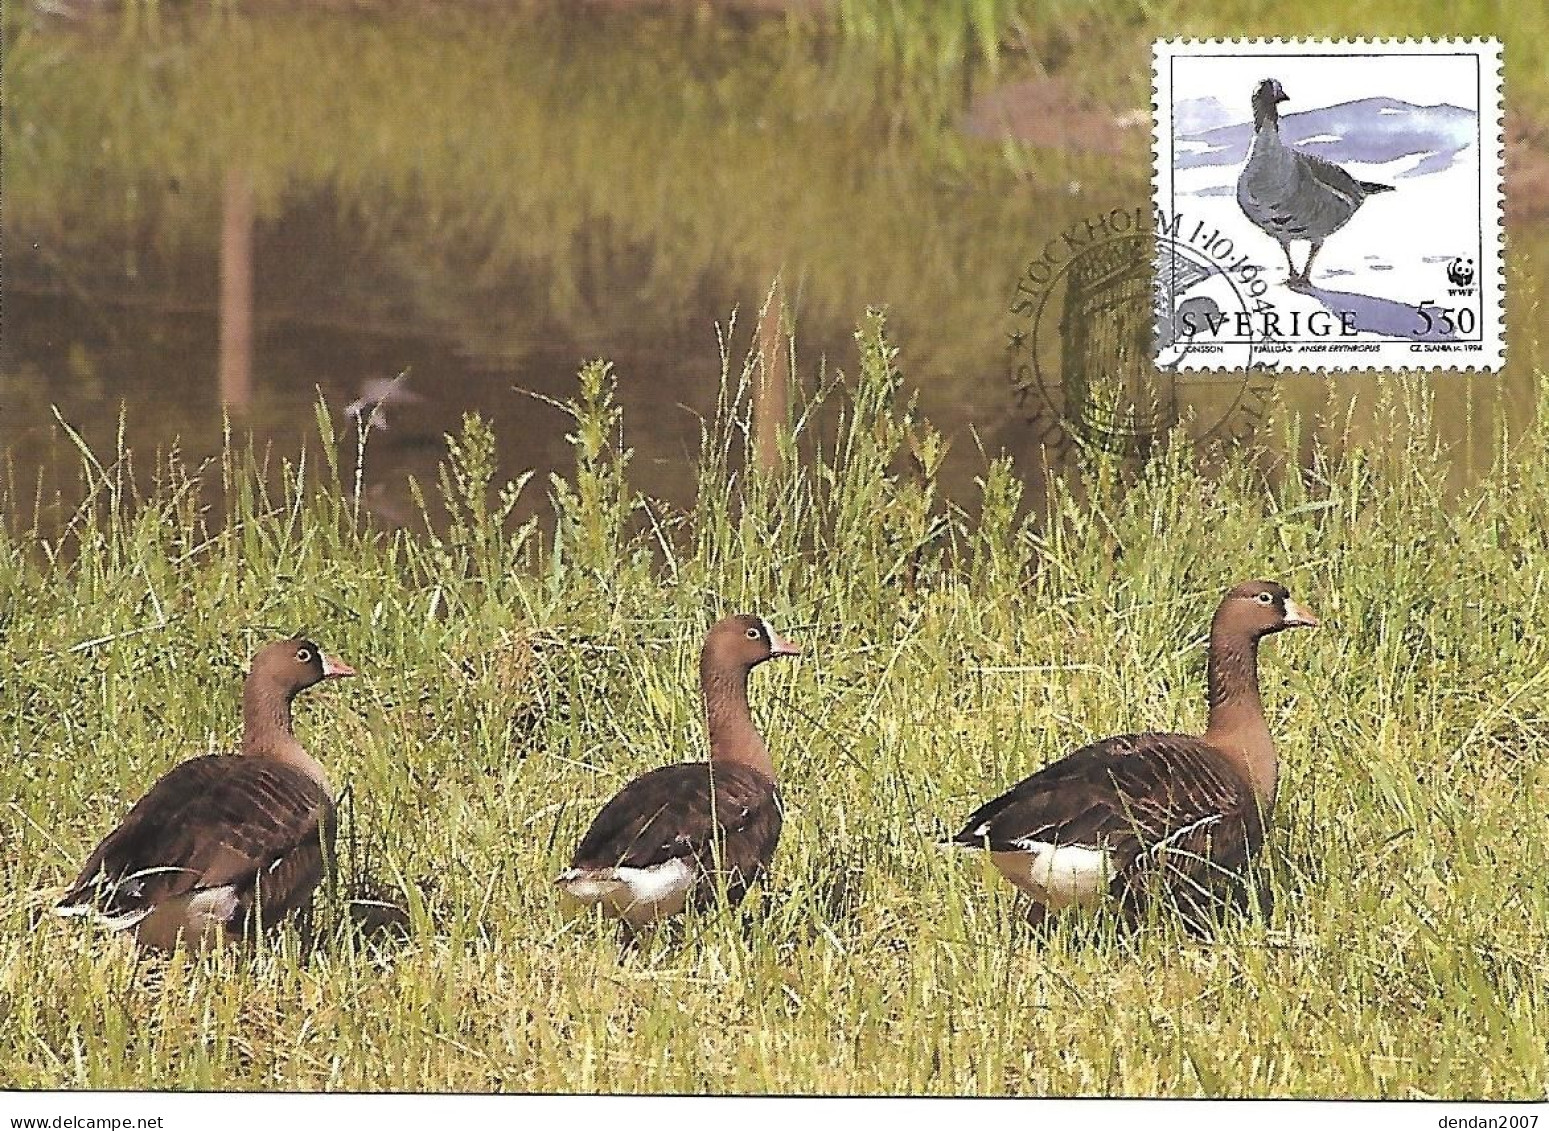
1390, 355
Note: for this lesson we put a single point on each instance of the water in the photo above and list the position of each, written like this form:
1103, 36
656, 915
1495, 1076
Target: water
484, 203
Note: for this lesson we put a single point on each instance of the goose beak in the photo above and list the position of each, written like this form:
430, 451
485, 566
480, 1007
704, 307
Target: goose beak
333, 667
779, 646
1299, 616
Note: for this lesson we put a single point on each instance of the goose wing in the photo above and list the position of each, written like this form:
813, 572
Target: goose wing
253, 824
725, 817
1141, 798
1296, 195
1332, 178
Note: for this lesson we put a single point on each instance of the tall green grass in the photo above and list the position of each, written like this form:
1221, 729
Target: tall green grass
514, 676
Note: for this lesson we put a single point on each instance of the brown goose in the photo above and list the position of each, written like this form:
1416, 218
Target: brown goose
220, 837
681, 830
1127, 815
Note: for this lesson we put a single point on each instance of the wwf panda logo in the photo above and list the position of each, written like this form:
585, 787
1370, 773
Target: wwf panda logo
1461, 272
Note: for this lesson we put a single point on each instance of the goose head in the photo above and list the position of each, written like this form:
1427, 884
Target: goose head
1256, 609
288, 667
1267, 97
743, 642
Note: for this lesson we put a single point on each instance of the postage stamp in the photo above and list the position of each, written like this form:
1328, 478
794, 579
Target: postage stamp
1362, 177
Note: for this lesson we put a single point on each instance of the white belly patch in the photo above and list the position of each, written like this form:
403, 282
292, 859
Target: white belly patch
199, 918
1058, 876
636, 895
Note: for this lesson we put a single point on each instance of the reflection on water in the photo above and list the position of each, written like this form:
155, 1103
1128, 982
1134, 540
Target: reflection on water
483, 204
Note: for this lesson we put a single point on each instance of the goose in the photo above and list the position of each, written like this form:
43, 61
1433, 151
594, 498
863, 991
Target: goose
222, 843
682, 831
1133, 816
1293, 195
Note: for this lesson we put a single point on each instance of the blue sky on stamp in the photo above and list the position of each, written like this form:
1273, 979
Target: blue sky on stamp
1316, 81
1401, 117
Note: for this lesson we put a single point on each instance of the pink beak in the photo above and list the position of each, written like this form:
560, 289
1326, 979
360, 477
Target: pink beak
779, 646
333, 667
1299, 616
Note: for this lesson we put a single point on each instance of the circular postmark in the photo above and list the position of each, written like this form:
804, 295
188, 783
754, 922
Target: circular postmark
1126, 324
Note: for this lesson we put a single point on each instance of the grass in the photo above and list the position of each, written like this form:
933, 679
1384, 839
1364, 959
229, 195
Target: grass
513, 677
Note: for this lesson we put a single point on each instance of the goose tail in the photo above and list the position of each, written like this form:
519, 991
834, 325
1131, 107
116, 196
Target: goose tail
1369, 187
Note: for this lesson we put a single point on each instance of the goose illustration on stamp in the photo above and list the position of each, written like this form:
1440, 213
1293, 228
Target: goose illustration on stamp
1294, 195
1381, 158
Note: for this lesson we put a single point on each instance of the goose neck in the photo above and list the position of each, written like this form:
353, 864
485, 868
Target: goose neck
1237, 726
733, 736
267, 730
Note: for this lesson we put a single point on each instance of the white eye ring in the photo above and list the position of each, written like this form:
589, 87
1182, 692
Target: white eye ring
1266, 598
304, 656
752, 634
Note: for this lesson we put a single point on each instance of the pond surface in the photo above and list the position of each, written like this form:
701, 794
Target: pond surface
232, 218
